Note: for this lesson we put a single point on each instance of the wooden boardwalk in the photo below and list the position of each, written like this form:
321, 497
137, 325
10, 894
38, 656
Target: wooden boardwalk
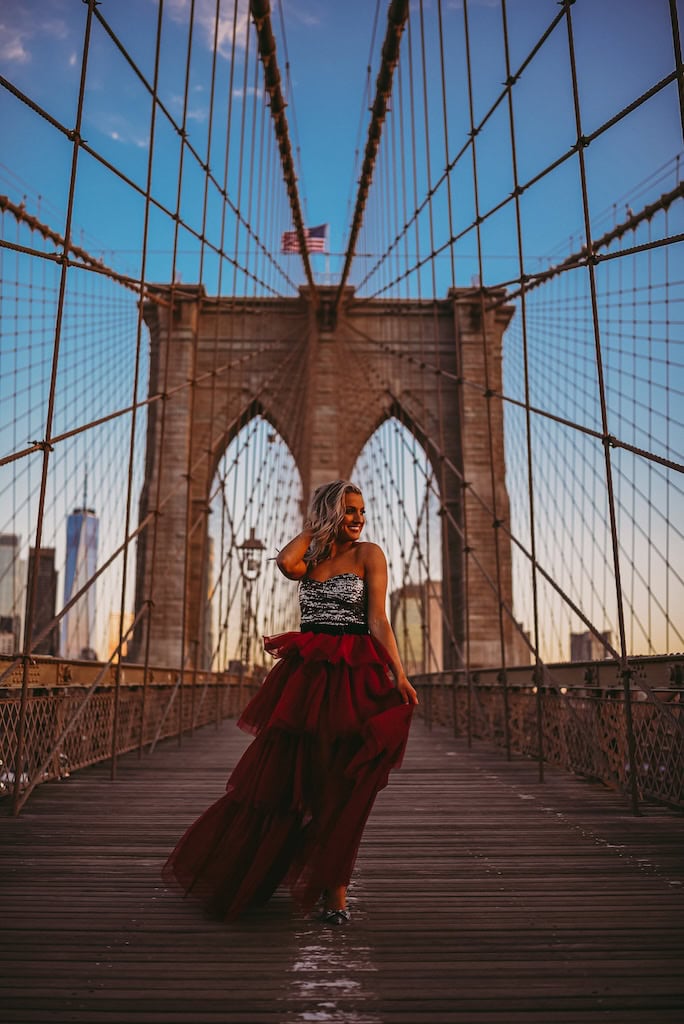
479, 897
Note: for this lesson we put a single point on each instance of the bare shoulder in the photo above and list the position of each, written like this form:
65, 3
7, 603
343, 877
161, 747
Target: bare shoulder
372, 556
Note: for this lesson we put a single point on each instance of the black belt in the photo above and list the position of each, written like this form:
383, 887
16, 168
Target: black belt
324, 627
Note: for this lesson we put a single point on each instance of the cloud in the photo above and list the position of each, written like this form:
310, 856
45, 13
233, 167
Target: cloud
56, 28
14, 39
178, 9
130, 140
205, 19
457, 5
251, 91
193, 114
12, 47
304, 17
118, 129
224, 37
72, 60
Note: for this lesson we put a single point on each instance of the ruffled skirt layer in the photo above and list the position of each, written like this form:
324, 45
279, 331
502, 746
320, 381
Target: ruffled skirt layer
329, 726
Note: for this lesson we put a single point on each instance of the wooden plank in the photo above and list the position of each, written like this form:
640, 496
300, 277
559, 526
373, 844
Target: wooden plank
479, 895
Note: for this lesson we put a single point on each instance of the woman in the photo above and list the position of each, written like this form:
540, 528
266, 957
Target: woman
329, 725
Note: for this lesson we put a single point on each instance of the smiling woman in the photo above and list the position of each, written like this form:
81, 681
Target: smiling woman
329, 724
340, 498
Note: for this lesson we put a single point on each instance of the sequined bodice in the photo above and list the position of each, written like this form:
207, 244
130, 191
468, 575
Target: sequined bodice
339, 601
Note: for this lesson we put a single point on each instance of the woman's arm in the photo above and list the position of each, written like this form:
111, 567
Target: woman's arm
378, 623
290, 559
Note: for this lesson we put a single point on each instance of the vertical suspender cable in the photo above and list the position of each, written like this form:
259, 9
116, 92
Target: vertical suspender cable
446, 522
446, 142
191, 417
496, 525
679, 67
165, 386
261, 13
241, 156
396, 19
131, 454
667, 435
228, 510
198, 652
465, 560
538, 671
46, 446
624, 664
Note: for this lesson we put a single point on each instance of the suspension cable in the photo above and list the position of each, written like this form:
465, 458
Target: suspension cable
261, 13
396, 19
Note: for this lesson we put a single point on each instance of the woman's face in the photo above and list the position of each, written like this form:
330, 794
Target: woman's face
354, 517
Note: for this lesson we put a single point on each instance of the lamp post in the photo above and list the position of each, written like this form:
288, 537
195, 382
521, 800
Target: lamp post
251, 554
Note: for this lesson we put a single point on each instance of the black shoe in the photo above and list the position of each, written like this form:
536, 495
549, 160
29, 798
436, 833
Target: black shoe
335, 917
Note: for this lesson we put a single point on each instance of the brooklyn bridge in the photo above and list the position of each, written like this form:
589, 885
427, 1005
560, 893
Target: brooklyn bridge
195, 332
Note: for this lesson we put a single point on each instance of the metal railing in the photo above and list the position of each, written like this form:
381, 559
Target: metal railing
578, 710
70, 725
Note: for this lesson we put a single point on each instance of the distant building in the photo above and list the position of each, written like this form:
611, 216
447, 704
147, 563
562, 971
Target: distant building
78, 625
113, 633
12, 593
587, 647
416, 616
10, 638
46, 599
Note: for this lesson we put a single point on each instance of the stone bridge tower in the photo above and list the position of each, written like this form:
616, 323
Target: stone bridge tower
352, 372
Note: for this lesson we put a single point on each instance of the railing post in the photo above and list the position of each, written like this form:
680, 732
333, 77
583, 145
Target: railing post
538, 677
626, 674
502, 677
473, 680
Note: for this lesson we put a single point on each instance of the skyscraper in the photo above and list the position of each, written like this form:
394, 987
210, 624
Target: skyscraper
78, 625
12, 593
46, 599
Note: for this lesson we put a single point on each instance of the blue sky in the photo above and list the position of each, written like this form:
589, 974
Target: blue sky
623, 48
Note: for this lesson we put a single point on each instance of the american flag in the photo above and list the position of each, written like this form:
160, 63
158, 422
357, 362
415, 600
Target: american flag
316, 239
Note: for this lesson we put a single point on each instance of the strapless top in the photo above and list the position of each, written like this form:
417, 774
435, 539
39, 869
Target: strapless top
335, 605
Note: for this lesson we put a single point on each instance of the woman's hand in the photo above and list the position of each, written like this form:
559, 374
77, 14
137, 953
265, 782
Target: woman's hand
408, 693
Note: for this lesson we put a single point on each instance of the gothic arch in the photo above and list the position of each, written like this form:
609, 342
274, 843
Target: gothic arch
255, 409
372, 364
395, 410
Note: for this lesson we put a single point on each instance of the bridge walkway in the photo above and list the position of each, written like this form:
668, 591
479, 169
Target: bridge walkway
480, 897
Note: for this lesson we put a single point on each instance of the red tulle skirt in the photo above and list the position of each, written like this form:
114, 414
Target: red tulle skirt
329, 726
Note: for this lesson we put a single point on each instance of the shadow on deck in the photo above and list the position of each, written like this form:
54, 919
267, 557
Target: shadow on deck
479, 897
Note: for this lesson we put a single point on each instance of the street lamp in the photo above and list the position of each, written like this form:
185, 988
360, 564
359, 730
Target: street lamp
251, 553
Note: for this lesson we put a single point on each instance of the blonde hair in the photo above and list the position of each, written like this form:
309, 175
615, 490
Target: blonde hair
326, 512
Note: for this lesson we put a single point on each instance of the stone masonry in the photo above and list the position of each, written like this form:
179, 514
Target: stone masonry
325, 384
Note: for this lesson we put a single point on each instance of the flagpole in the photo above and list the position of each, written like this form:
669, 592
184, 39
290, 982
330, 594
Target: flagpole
327, 256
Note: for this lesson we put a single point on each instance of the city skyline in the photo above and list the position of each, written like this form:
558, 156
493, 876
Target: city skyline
77, 635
